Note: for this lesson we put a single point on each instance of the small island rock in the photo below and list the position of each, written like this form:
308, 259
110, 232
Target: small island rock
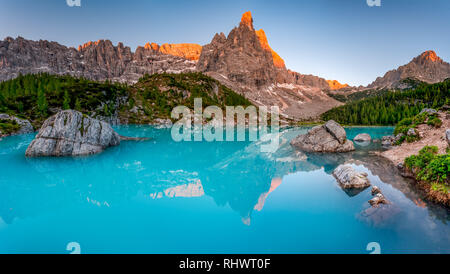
330, 137
363, 138
70, 133
349, 178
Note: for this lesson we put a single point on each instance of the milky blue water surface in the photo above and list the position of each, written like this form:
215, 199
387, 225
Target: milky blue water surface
160, 196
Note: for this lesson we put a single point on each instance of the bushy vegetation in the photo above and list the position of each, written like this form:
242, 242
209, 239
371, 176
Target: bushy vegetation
432, 168
412, 123
36, 97
391, 107
8, 126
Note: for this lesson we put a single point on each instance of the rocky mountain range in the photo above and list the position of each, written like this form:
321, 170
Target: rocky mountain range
99, 60
427, 67
243, 61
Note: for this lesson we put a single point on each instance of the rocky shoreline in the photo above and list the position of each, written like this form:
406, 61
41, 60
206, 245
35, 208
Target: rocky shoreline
429, 136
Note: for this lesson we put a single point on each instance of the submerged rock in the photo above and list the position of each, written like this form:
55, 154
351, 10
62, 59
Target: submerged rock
330, 137
70, 133
25, 125
349, 178
363, 138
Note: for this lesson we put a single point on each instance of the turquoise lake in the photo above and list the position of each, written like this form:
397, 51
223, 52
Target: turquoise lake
160, 196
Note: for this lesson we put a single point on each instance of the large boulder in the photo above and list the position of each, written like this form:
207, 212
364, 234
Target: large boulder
25, 125
70, 133
349, 178
330, 137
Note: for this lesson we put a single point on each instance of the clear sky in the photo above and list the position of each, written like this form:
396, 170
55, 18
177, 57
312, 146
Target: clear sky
344, 40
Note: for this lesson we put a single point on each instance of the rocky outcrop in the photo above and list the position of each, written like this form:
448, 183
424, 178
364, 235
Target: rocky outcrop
187, 51
427, 67
330, 137
99, 60
24, 125
348, 178
388, 141
335, 85
70, 133
429, 136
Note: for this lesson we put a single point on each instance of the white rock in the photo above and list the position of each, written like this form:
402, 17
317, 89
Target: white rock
70, 133
348, 178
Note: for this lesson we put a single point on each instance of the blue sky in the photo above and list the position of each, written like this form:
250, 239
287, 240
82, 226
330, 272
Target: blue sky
344, 40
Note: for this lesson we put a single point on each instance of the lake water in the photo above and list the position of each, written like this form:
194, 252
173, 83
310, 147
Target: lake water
160, 196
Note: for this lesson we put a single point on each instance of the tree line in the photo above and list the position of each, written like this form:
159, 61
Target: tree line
392, 107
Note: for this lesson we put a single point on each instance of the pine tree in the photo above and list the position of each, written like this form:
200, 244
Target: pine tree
42, 103
66, 100
78, 105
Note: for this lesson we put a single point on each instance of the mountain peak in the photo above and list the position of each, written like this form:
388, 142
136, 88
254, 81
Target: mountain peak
429, 55
88, 44
277, 60
247, 20
427, 67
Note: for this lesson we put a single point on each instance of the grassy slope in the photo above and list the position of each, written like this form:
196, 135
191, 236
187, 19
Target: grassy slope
154, 96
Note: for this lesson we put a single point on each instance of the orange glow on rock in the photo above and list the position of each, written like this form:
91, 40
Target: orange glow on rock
335, 85
247, 20
431, 55
277, 60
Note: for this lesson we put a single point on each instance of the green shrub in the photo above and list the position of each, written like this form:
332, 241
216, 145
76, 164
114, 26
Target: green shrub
8, 126
434, 121
431, 167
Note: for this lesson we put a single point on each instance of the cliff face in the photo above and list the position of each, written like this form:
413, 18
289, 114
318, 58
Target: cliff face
335, 85
187, 51
98, 60
427, 67
244, 61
